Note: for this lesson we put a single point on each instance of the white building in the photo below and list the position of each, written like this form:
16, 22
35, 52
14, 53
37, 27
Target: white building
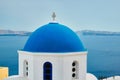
52, 52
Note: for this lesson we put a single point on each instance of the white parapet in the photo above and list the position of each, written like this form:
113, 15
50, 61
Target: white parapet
90, 76
16, 77
113, 78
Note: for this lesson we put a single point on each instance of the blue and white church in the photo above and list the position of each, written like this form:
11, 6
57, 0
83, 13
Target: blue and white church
52, 52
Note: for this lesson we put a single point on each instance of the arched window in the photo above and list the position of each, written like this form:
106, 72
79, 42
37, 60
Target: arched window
25, 68
75, 70
47, 71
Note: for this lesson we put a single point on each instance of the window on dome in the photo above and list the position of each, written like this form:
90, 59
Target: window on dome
47, 71
75, 70
25, 68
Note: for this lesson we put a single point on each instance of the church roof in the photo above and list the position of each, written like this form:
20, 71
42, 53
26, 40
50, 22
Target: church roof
54, 37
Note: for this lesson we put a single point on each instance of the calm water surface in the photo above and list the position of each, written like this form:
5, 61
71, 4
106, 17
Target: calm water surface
103, 53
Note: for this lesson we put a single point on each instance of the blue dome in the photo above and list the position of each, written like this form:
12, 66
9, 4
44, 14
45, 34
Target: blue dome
54, 37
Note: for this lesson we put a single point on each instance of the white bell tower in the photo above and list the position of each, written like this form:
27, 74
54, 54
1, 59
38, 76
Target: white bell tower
53, 66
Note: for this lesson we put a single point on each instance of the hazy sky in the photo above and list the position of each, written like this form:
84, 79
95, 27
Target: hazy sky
77, 14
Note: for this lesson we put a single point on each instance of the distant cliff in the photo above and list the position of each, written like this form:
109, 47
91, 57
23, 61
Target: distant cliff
83, 32
14, 33
98, 33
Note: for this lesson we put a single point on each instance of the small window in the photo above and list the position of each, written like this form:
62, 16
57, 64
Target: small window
73, 75
25, 68
26, 73
73, 64
75, 70
47, 72
26, 63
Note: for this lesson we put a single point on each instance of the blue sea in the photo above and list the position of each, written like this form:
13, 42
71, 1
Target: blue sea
9, 45
103, 53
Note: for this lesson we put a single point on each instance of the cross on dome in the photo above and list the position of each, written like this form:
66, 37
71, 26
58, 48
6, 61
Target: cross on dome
53, 16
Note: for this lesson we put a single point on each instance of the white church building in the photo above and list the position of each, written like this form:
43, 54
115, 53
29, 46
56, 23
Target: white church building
52, 52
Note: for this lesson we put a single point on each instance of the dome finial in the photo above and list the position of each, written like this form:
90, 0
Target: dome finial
53, 16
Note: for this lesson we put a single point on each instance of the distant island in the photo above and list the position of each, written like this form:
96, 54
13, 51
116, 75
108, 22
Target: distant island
98, 33
14, 33
83, 32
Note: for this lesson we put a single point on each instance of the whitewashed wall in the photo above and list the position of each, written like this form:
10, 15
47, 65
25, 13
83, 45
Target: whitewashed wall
61, 62
22, 57
67, 67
